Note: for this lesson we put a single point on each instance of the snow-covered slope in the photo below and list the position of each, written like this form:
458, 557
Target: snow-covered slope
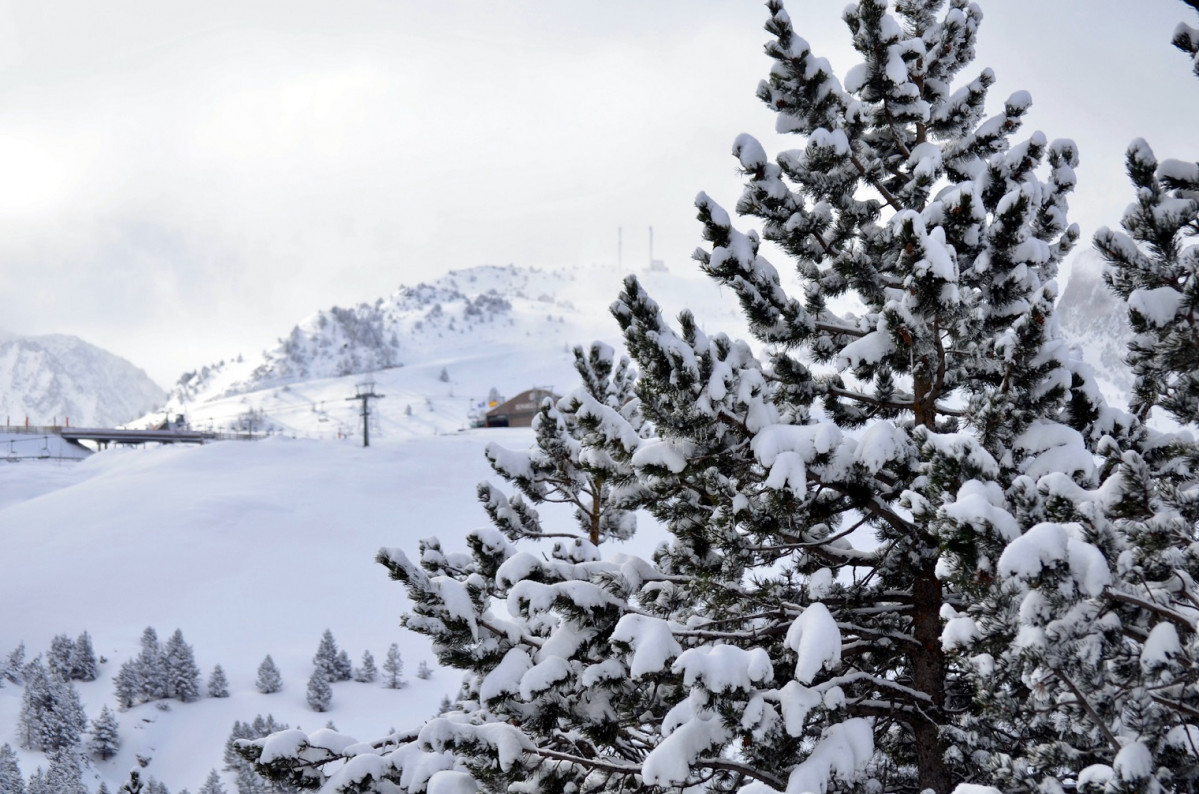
502, 328
249, 549
54, 378
1095, 320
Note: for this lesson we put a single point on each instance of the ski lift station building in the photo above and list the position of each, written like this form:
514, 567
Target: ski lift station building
519, 411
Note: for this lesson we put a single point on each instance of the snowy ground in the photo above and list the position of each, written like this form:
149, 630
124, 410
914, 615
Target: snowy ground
250, 549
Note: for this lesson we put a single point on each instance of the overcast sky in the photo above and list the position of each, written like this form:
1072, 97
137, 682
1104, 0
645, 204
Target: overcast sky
180, 182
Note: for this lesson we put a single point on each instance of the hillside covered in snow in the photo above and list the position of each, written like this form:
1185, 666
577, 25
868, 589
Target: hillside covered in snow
56, 378
436, 350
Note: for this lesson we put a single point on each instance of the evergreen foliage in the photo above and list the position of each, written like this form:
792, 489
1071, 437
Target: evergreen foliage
247, 780
213, 785
423, 671
66, 772
134, 784
61, 658
11, 780
218, 684
151, 667
566, 464
912, 550
14, 665
38, 783
85, 667
326, 657
127, 685
343, 668
106, 737
320, 694
269, 680
182, 676
393, 668
51, 716
1090, 648
367, 672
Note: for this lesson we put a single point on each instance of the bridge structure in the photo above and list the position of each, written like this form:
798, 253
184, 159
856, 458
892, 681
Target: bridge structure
102, 437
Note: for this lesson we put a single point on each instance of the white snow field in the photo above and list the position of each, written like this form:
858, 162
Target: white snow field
250, 549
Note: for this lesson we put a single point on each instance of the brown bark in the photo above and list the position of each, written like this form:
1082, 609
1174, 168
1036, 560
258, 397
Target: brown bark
928, 676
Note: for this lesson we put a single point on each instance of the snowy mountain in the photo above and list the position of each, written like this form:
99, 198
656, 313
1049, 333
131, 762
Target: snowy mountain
1094, 319
434, 349
56, 378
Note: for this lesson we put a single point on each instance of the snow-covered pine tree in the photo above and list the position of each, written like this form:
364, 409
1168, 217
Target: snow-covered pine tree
423, 671
567, 463
151, 671
247, 780
218, 683
343, 666
1090, 645
831, 505
182, 676
154, 786
592, 430
326, 656
106, 735
212, 784
37, 783
367, 672
14, 665
269, 680
127, 685
10, 771
61, 658
85, 667
393, 668
320, 694
134, 784
65, 775
51, 716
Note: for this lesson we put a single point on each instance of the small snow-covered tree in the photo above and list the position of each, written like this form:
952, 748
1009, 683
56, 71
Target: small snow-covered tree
343, 667
134, 784
367, 672
150, 665
51, 716
567, 463
326, 656
212, 784
106, 736
393, 668
85, 667
269, 681
127, 685
66, 772
61, 658
154, 786
10, 771
423, 672
38, 783
182, 676
218, 683
320, 694
14, 664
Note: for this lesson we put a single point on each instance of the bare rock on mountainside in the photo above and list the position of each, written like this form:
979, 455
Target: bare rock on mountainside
57, 377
